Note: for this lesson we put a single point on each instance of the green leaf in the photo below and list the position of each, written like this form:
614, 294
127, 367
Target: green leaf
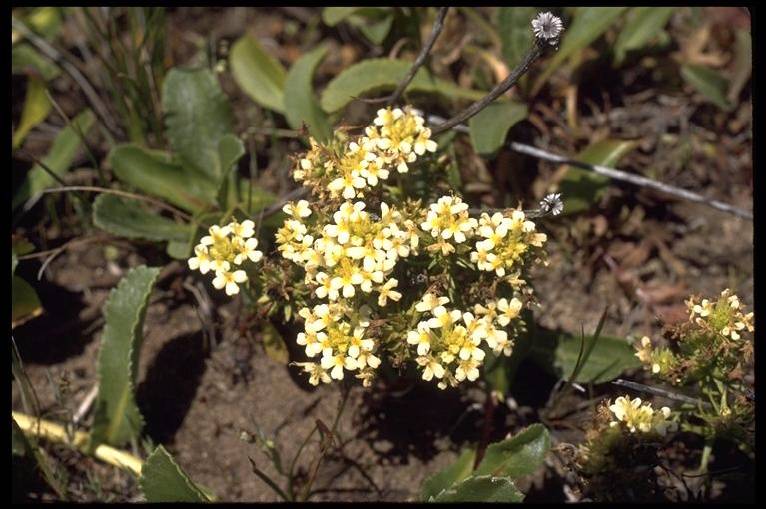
381, 74
35, 110
481, 488
117, 417
260, 198
588, 24
518, 456
274, 344
707, 82
457, 471
515, 32
184, 187
331, 16
260, 75
162, 480
25, 302
58, 160
127, 218
489, 127
558, 352
198, 116
303, 106
642, 24
25, 58
743, 64
230, 150
582, 188
45, 21
375, 31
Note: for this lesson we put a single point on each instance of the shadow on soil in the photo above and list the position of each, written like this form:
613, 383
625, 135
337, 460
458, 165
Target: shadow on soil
167, 392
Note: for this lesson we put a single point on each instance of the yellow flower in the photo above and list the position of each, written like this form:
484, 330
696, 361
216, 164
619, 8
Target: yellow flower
201, 260
508, 310
387, 292
229, 280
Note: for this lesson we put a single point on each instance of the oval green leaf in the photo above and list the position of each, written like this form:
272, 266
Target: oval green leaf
707, 82
642, 24
481, 488
127, 218
35, 110
518, 456
489, 127
260, 75
303, 105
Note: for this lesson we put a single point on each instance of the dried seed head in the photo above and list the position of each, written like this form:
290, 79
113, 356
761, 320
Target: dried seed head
548, 27
552, 204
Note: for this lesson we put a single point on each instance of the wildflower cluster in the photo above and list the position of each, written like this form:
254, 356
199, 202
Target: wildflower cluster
451, 339
505, 240
359, 245
637, 417
396, 138
224, 248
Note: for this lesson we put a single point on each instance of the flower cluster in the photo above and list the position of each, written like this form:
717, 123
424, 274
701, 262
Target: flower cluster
338, 333
357, 250
223, 248
637, 417
504, 241
396, 139
724, 316
451, 339
448, 219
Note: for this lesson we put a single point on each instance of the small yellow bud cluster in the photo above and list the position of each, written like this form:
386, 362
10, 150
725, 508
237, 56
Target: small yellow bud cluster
397, 137
505, 240
337, 333
637, 417
451, 339
660, 360
724, 316
223, 248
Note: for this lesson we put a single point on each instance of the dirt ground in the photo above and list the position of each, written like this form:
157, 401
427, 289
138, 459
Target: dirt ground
639, 252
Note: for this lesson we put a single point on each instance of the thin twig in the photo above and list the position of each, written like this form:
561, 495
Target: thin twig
435, 31
63, 61
534, 52
633, 179
616, 174
126, 194
658, 392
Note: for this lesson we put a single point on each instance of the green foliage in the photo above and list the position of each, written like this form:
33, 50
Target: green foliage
515, 34
373, 22
493, 479
36, 109
197, 119
260, 75
481, 488
588, 24
303, 105
184, 187
559, 352
707, 82
489, 127
117, 417
382, 74
127, 218
582, 188
642, 24
24, 301
162, 480
58, 160
25, 59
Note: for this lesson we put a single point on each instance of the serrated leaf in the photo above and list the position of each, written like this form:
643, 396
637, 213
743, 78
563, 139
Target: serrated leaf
588, 24
381, 74
642, 24
482, 488
35, 110
489, 127
518, 456
24, 302
162, 480
557, 352
184, 187
117, 418
58, 160
580, 188
707, 82
197, 117
515, 32
127, 218
303, 106
457, 471
257, 73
